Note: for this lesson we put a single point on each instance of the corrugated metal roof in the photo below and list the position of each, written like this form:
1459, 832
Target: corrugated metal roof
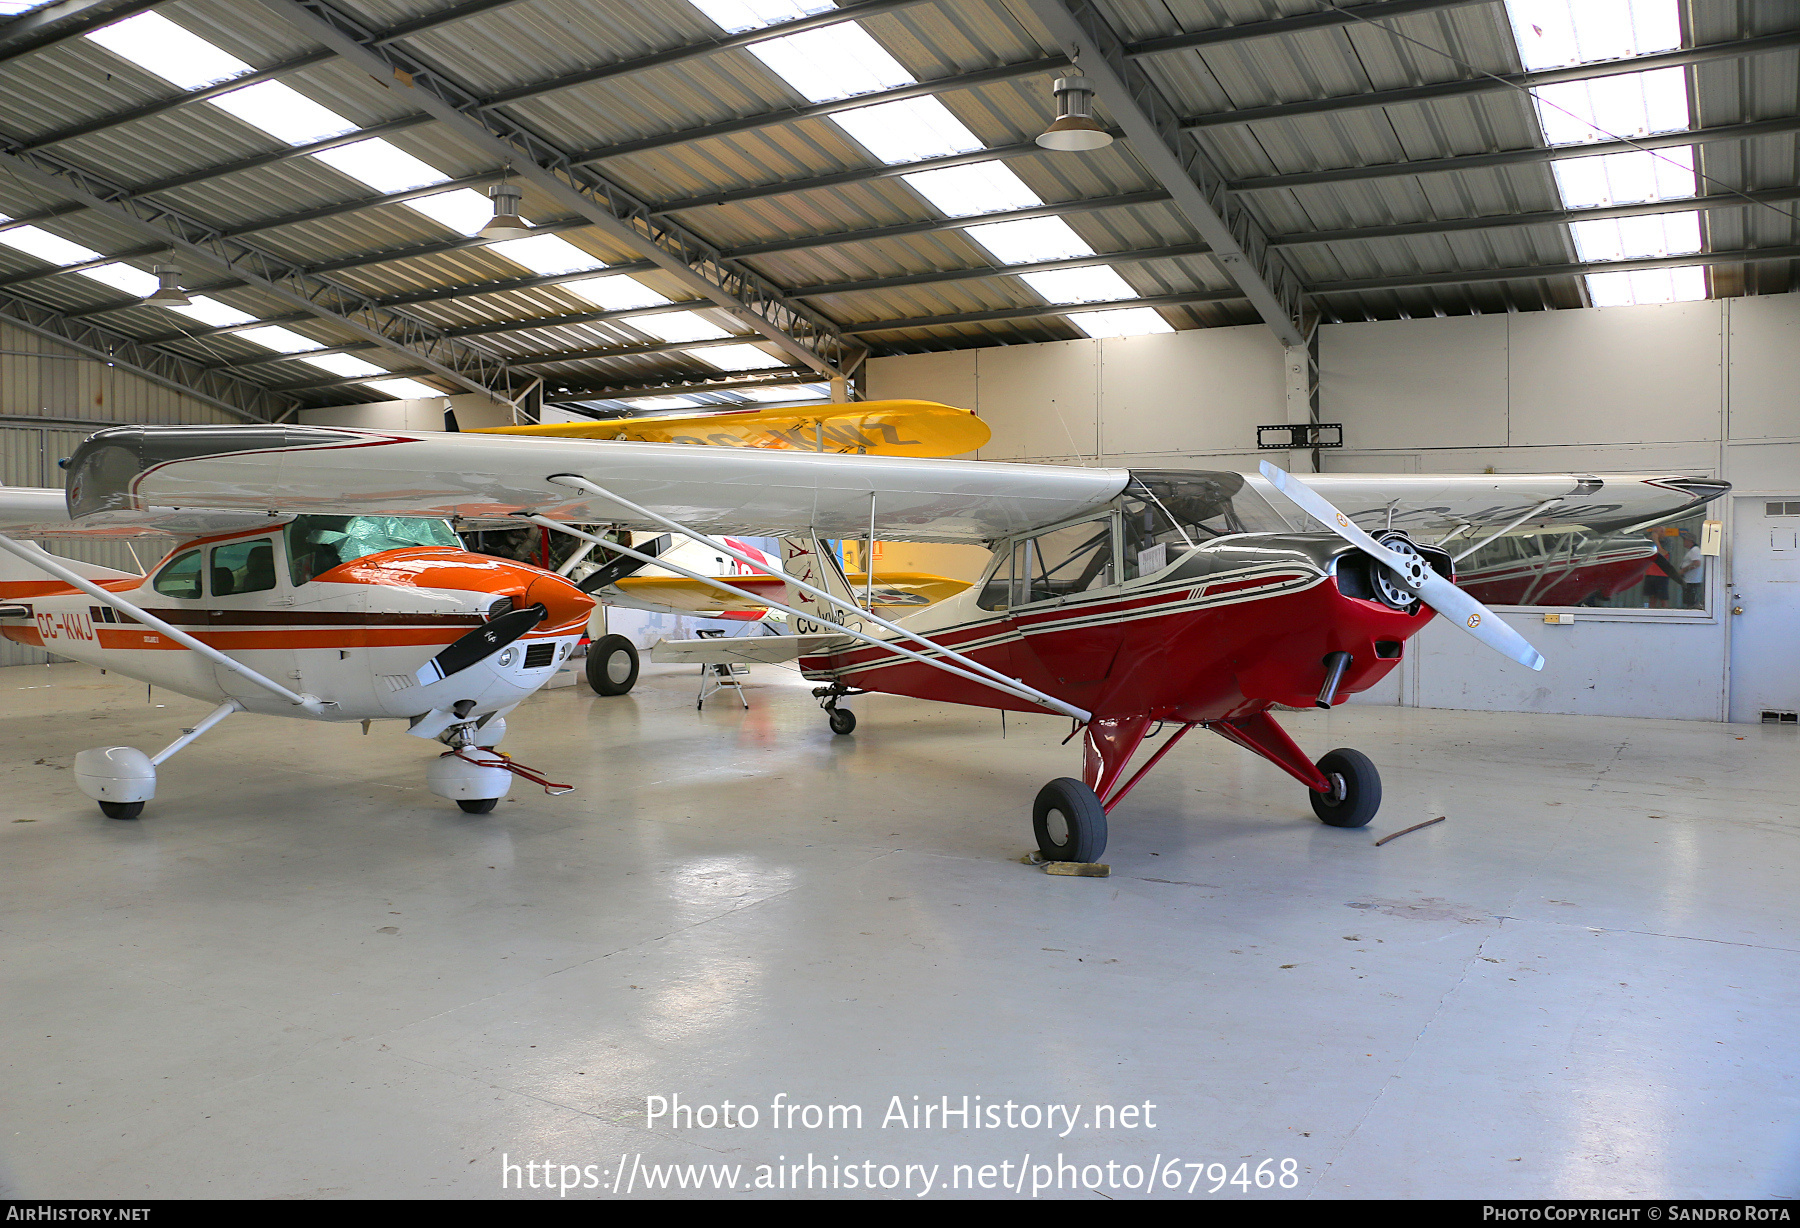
533, 41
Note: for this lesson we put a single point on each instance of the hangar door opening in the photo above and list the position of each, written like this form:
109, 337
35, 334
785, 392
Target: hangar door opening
1765, 637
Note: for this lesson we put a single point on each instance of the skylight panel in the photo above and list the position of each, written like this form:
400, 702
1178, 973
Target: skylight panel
678, 326
1558, 33
653, 404
1127, 322
158, 45
785, 392
281, 340
1033, 239
464, 211
615, 292
1633, 238
908, 131
283, 113
405, 389
1679, 285
838, 61
733, 357
132, 281
379, 165
1096, 285
1602, 108
962, 191
46, 246
547, 255
344, 364
212, 311
1626, 178
737, 16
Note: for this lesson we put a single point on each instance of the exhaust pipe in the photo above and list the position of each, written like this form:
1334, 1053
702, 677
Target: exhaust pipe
1336, 665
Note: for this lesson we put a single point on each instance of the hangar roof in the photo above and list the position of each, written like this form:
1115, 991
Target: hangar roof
733, 200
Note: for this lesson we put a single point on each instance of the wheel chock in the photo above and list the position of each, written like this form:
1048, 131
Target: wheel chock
1079, 869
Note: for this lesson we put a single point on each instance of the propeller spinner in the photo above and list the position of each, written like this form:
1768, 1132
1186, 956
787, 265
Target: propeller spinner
1412, 572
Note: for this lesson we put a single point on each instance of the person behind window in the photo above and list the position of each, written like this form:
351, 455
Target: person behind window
1693, 573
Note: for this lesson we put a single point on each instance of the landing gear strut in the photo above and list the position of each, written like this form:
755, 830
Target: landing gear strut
842, 719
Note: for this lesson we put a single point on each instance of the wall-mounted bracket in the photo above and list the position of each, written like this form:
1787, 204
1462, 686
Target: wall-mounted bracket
1300, 435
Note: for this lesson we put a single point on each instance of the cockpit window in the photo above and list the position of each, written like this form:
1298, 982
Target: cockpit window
181, 578
316, 544
1168, 510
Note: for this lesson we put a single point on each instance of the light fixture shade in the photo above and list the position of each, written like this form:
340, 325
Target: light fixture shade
168, 292
1075, 129
506, 223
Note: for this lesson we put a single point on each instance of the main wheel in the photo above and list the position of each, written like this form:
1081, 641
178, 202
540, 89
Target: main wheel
478, 805
1355, 789
612, 665
121, 810
842, 720
1069, 821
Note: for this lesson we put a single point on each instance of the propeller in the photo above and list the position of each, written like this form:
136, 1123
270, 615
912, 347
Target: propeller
480, 644
1412, 572
622, 566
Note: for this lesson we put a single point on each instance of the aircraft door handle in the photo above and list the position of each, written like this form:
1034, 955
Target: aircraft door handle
1737, 609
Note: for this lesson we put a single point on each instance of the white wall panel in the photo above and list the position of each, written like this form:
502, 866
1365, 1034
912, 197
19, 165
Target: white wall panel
1764, 389
1436, 383
948, 378
1619, 375
1772, 467
1203, 390
1042, 401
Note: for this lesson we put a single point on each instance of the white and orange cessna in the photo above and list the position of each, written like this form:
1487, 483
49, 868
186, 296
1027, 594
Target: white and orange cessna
331, 618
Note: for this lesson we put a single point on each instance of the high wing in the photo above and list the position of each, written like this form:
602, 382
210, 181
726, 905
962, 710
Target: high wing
1436, 507
875, 428
118, 472
38, 512
767, 649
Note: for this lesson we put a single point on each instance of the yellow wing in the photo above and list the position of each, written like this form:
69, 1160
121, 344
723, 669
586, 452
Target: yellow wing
882, 428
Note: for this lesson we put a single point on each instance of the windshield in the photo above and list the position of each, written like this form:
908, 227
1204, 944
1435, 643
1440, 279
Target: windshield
1167, 510
316, 544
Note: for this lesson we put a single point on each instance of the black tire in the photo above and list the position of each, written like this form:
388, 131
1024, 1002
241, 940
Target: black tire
121, 810
612, 665
478, 805
842, 720
1360, 785
1069, 821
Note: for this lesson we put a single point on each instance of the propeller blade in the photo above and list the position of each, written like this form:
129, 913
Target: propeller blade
480, 644
622, 566
1434, 590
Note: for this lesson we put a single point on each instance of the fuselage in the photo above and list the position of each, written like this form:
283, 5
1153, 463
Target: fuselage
354, 633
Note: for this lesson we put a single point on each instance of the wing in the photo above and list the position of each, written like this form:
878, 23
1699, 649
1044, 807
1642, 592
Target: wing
768, 649
36, 512
1436, 507
909, 590
877, 428
289, 470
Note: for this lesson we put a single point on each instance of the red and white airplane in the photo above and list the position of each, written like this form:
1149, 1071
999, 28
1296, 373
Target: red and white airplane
1119, 598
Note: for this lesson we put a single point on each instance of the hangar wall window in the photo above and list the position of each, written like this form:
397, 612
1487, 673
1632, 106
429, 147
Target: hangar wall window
1659, 568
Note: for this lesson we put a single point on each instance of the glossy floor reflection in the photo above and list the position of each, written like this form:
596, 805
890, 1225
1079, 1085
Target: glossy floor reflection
301, 975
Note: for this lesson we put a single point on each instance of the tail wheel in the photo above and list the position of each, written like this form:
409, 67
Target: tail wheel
612, 665
121, 810
1355, 789
842, 719
1069, 821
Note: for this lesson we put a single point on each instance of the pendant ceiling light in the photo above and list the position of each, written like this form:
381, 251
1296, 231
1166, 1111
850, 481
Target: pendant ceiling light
506, 223
168, 292
1075, 128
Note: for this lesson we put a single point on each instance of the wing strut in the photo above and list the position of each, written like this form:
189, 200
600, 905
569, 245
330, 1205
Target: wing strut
994, 679
45, 562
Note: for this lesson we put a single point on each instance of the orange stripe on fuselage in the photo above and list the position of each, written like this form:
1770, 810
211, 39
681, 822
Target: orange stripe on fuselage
56, 588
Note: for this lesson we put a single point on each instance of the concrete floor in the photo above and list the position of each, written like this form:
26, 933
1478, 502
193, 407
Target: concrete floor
301, 975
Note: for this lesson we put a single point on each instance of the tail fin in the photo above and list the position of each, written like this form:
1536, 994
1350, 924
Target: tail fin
807, 559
